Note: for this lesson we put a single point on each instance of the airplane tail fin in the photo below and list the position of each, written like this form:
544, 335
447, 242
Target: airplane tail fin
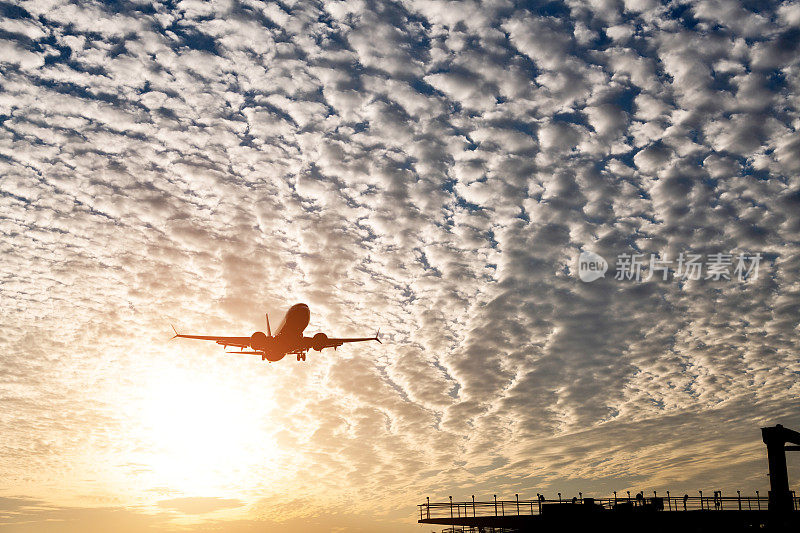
376, 336
175, 330
269, 330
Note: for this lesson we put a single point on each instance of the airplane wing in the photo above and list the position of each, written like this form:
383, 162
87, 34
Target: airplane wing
338, 342
239, 342
334, 342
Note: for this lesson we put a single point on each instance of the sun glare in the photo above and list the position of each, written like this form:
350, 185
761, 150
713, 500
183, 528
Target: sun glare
200, 434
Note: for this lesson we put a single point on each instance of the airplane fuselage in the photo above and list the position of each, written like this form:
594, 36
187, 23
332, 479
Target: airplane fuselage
295, 322
288, 337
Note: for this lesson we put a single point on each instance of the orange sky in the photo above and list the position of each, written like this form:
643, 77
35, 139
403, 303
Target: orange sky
430, 169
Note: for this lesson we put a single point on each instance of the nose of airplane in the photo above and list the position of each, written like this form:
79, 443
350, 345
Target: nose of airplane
302, 310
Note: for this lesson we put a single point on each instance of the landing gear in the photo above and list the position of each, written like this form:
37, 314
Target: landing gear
301, 357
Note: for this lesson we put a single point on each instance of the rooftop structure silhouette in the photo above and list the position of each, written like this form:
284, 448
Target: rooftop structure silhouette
778, 511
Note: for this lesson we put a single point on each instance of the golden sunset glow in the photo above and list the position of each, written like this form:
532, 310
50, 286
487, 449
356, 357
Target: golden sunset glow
433, 170
202, 436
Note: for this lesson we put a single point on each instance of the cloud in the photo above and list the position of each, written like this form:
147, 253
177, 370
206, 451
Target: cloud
197, 505
430, 168
16, 55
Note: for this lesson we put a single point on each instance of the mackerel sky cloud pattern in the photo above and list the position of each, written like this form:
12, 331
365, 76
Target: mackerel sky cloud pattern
431, 168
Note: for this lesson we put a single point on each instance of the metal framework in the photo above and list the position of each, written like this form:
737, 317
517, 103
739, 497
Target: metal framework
777, 512
501, 508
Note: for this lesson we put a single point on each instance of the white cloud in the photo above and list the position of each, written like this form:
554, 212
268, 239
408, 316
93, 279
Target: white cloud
432, 168
15, 55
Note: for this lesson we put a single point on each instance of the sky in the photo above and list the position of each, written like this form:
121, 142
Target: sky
430, 168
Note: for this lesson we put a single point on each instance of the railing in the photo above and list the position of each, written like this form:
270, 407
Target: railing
517, 507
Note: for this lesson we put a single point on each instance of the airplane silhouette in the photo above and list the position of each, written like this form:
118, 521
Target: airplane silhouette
288, 339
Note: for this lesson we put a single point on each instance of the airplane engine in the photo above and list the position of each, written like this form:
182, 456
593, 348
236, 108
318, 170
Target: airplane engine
318, 341
258, 340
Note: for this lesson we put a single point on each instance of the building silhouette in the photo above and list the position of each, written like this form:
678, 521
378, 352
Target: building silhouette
778, 511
